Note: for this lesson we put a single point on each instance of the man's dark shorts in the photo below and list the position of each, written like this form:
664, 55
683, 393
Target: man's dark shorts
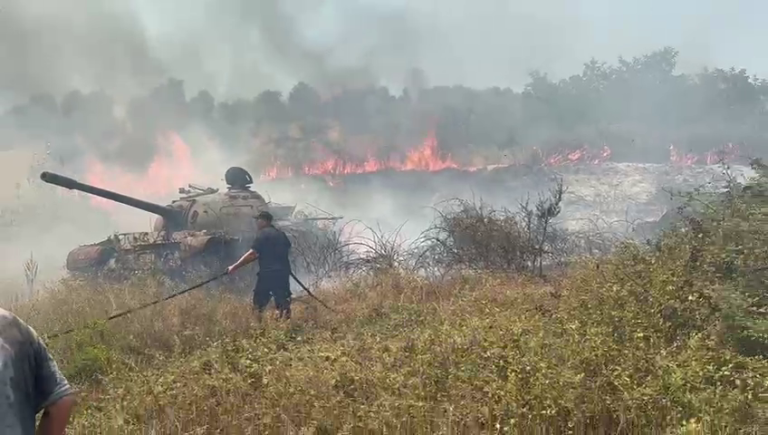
271, 284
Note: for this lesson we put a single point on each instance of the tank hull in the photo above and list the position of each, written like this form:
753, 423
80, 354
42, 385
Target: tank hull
145, 252
182, 254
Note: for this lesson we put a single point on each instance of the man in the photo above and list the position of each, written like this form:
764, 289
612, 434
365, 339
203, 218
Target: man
30, 382
270, 248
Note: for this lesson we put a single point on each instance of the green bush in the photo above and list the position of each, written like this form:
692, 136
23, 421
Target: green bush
724, 247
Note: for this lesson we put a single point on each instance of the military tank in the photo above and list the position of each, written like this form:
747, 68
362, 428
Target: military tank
204, 229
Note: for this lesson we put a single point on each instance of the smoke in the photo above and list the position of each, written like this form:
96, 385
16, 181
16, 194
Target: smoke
86, 81
237, 47
38, 221
232, 47
53, 46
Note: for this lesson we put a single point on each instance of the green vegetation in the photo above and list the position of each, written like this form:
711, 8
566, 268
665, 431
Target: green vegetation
665, 338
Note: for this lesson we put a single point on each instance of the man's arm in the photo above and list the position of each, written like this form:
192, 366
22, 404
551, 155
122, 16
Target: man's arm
56, 417
53, 394
248, 258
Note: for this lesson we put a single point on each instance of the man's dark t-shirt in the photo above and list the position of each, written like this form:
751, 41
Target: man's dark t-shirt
273, 246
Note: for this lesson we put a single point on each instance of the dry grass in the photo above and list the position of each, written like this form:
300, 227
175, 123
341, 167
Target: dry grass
666, 339
481, 354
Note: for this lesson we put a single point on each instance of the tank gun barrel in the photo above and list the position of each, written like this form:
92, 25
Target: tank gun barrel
171, 216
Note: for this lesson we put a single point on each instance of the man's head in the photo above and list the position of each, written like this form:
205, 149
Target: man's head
263, 219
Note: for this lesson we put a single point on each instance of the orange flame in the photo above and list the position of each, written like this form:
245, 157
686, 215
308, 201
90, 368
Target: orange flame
171, 167
581, 155
727, 153
424, 158
174, 166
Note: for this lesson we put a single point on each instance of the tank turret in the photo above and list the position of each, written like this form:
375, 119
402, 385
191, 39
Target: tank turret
173, 219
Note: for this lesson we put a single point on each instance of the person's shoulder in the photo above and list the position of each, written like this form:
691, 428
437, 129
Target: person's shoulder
8, 318
6, 314
265, 233
280, 234
13, 330
272, 232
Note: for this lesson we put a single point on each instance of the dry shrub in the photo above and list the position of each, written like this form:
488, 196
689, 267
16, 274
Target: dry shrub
31, 268
352, 249
376, 251
483, 353
470, 235
321, 253
599, 239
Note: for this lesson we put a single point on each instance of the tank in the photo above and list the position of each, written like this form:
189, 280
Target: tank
203, 229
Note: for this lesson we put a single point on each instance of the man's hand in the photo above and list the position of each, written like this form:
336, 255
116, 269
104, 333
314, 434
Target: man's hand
231, 269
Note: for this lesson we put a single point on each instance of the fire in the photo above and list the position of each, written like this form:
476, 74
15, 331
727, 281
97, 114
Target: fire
426, 158
581, 155
714, 157
172, 167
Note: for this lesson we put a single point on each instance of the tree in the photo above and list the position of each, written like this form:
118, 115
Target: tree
636, 106
202, 105
270, 108
304, 101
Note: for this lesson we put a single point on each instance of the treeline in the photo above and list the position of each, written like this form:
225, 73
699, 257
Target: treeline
637, 107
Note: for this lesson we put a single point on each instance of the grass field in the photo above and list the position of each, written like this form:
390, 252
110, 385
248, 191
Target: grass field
667, 338
587, 352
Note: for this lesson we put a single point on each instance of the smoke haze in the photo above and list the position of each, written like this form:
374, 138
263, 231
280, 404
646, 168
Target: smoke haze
87, 84
236, 47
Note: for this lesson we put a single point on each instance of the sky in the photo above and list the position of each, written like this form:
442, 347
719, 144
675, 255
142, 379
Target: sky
241, 47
